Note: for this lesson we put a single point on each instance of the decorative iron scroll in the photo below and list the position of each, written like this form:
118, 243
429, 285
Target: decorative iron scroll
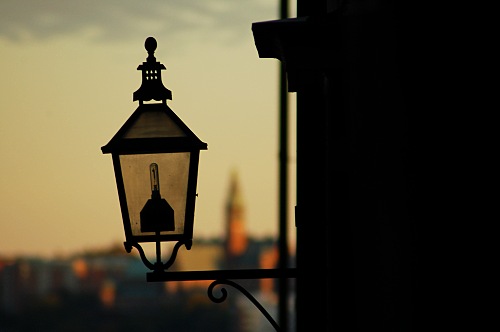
252, 299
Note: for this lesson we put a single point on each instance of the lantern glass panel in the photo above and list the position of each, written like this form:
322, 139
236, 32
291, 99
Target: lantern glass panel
156, 195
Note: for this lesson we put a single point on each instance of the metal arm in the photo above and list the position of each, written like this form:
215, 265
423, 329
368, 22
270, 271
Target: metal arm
223, 277
220, 277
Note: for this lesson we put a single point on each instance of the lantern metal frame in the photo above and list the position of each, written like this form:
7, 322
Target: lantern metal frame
119, 146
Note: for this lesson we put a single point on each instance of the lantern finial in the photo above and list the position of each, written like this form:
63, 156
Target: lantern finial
152, 86
150, 46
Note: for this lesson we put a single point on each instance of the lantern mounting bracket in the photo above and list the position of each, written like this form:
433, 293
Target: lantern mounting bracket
219, 277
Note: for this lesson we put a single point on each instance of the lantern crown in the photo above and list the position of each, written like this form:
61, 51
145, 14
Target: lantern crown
152, 86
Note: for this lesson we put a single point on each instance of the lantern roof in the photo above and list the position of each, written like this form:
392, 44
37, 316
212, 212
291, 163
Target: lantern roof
154, 128
152, 86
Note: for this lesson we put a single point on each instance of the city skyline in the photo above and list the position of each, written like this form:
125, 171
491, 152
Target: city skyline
68, 79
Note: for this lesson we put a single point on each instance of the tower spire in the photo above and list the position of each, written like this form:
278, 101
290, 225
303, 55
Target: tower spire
236, 242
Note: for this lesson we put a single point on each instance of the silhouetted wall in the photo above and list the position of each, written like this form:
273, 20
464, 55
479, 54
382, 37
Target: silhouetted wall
364, 114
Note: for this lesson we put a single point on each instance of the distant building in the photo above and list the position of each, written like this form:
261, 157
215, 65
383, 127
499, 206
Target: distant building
236, 243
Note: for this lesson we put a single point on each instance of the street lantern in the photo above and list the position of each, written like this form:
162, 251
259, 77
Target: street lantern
155, 158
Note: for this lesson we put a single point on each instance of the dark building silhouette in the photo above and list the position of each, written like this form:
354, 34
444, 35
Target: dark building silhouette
369, 84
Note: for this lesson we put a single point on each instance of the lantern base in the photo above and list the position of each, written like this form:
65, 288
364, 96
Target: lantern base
158, 266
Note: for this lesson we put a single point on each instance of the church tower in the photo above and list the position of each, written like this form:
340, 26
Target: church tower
236, 235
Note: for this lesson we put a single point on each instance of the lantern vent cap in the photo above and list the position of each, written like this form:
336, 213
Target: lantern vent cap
152, 87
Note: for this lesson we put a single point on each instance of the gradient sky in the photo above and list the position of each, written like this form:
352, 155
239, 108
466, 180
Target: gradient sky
68, 71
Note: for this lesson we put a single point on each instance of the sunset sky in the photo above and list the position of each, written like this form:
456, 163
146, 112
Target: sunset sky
68, 71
